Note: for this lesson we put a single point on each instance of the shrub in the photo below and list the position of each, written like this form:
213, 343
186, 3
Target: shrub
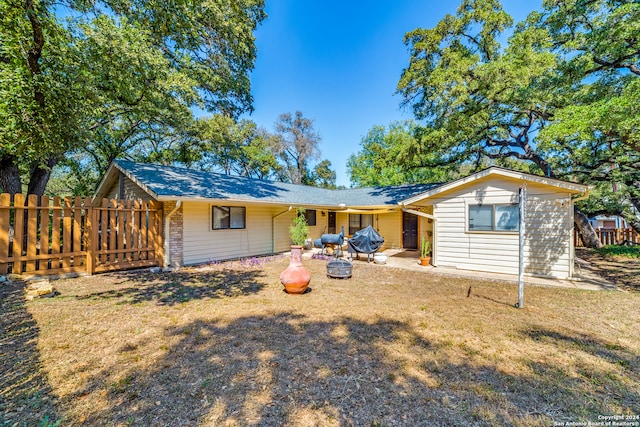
299, 230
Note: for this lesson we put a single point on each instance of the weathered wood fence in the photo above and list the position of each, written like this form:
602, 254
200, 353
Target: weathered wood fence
612, 236
47, 236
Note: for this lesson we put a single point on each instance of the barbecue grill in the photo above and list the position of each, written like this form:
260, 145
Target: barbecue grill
331, 240
366, 241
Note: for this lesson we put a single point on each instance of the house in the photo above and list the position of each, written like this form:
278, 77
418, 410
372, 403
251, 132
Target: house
608, 221
472, 223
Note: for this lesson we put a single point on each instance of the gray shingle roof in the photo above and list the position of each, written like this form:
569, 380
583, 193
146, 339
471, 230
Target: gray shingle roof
176, 182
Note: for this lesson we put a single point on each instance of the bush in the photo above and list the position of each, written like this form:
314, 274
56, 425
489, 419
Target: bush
299, 230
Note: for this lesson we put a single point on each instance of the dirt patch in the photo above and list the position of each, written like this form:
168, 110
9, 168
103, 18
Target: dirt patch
624, 271
226, 346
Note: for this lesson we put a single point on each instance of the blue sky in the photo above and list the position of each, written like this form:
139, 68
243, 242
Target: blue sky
339, 63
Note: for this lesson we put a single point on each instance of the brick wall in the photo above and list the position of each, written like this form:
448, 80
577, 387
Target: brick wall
175, 239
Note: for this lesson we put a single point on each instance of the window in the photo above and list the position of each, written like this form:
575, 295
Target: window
310, 216
494, 218
359, 221
228, 217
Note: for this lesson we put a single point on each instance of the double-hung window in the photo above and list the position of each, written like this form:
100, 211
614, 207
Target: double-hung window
494, 217
228, 217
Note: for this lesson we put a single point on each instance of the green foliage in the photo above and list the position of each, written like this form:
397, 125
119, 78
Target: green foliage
322, 175
595, 134
561, 94
425, 251
234, 147
114, 77
299, 230
478, 100
622, 251
386, 157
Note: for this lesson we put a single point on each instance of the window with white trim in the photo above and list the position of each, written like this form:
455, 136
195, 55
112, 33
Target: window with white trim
494, 217
228, 217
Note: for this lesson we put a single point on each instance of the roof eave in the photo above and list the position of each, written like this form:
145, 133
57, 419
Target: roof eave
568, 186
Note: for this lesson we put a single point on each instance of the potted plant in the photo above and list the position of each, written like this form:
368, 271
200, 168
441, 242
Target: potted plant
295, 278
299, 230
425, 252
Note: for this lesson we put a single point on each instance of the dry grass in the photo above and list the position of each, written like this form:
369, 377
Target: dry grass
228, 347
617, 268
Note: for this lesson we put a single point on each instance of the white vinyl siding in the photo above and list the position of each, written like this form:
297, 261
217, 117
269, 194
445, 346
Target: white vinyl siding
203, 244
547, 233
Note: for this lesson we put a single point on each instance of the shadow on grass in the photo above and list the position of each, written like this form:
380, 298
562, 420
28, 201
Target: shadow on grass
607, 383
286, 370
26, 398
179, 287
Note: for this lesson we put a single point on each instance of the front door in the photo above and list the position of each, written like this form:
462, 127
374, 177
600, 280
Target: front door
409, 231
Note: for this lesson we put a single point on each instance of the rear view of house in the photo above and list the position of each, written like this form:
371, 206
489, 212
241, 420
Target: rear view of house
471, 223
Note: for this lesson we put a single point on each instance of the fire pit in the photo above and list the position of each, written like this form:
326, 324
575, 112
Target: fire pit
339, 269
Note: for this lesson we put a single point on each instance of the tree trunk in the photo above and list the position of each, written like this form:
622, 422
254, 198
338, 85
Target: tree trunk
631, 218
587, 233
10, 181
40, 177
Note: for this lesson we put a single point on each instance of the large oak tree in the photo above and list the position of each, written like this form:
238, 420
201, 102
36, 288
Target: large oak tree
112, 73
479, 99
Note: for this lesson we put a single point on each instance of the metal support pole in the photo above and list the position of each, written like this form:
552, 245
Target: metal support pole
523, 202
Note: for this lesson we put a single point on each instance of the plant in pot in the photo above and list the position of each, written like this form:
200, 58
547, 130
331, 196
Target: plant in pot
295, 278
425, 252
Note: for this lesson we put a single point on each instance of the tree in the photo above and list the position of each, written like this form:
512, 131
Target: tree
478, 99
40, 90
235, 148
323, 176
383, 158
297, 146
114, 74
595, 136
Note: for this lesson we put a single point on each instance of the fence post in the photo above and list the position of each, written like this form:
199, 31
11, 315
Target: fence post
5, 203
90, 235
157, 231
18, 231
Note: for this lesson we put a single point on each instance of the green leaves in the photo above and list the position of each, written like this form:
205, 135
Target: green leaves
116, 74
394, 155
562, 93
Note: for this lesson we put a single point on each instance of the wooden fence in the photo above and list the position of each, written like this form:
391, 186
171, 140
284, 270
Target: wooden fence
612, 236
47, 236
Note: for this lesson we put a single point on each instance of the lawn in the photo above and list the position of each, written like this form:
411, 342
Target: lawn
226, 346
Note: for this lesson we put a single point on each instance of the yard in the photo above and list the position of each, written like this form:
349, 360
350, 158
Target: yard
226, 346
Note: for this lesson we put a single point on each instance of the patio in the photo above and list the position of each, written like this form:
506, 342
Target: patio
404, 259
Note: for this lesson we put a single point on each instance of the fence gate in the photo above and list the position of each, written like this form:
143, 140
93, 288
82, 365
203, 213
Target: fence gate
46, 236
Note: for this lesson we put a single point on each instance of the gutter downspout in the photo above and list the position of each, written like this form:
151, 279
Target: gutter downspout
434, 251
167, 220
273, 229
583, 197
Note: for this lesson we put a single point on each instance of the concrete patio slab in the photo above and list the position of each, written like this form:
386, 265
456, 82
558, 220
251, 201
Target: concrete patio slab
585, 278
